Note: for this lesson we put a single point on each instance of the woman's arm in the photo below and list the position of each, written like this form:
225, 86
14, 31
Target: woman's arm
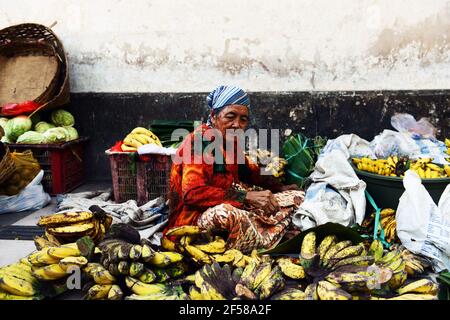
197, 192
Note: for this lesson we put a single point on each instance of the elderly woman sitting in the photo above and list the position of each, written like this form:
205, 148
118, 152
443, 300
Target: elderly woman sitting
204, 191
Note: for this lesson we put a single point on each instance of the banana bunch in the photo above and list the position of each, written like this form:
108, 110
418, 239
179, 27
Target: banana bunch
55, 263
387, 222
392, 166
66, 227
268, 161
428, 170
17, 282
260, 279
447, 144
213, 282
155, 291
140, 261
104, 287
331, 254
200, 247
414, 265
396, 167
138, 137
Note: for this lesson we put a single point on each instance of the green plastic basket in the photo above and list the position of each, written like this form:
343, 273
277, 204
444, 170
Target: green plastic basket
386, 191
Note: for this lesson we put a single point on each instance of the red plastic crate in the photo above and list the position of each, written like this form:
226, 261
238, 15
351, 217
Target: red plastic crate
140, 178
62, 164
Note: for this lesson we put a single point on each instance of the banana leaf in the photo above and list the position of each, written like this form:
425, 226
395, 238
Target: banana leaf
293, 245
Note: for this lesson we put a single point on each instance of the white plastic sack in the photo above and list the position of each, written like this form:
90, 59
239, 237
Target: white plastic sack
32, 197
350, 145
155, 149
337, 194
423, 227
415, 139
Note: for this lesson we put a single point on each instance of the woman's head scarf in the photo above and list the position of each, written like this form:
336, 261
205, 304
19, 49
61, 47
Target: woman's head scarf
223, 96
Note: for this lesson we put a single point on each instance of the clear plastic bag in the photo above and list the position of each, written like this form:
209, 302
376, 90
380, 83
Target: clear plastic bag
405, 123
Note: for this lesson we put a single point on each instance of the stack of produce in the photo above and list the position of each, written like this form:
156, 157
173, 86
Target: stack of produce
65, 227
301, 154
44, 272
138, 137
19, 129
396, 167
268, 162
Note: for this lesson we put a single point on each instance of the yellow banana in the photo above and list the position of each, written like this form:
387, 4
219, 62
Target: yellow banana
17, 286
198, 255
50, 272
115, 293
63, 252
290, 269
413, 296
64, 218
42, 257
335, 249
216, 246
98, 292
308, 250
184, 231
326, 244
128, 148
424, 286
141, 288
132, 142
194, 294
168, 244
328, 291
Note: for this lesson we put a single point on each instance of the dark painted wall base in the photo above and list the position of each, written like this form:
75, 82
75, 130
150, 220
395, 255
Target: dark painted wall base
108, 117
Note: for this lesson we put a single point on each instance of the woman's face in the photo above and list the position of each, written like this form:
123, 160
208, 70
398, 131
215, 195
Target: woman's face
231, 117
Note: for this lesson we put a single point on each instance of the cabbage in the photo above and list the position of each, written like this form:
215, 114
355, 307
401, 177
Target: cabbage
54, 135
5, 140
72, 133
17, 126
43, 126
62, 118
31, 137
3, 122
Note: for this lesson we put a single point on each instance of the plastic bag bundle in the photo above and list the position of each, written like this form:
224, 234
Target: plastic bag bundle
27, 168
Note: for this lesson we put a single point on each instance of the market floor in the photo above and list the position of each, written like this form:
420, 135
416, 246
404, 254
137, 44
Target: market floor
13, 250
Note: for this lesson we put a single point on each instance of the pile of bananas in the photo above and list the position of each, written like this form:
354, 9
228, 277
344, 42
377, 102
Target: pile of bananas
428, 170
269, 162
199, 246
396, 167
17, 282
138, 137
66, 227
388, 223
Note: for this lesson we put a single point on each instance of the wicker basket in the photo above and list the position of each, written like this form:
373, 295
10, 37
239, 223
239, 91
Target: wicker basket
33, 61
7, 166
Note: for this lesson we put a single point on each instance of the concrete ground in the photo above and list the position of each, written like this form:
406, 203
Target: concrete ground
13, 250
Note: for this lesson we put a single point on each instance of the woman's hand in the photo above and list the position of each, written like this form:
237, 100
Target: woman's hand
289, 187
263, 200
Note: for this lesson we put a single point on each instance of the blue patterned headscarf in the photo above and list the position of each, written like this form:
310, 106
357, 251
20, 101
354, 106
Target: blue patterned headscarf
223, 96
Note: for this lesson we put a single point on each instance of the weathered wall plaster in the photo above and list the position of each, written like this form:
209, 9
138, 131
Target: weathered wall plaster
284, 45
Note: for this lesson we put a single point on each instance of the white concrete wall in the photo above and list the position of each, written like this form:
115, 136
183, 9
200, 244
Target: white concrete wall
262, 45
